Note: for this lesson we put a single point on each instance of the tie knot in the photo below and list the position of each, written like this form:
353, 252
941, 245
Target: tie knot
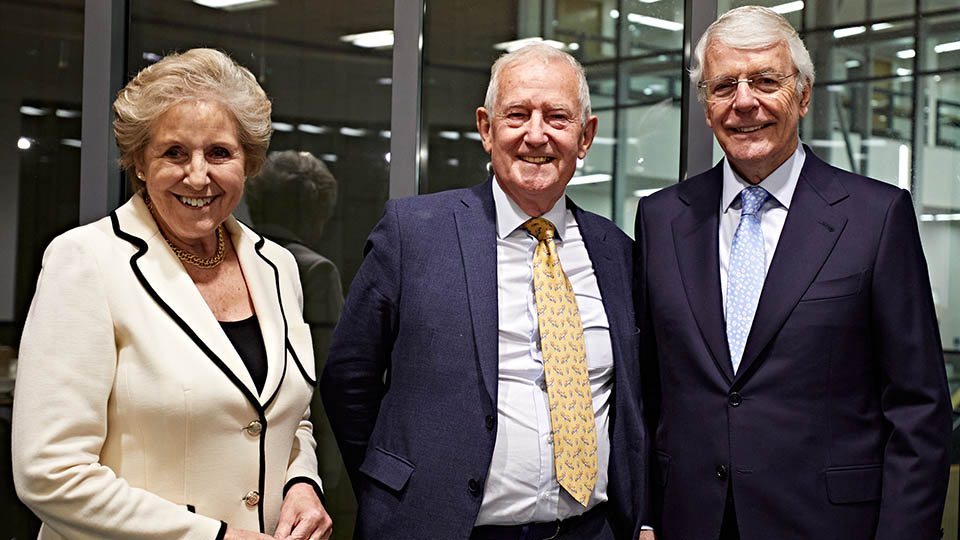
540, 227
752, 198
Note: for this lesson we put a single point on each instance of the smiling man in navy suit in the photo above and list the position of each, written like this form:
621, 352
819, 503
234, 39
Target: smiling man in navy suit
449, 380
796, 376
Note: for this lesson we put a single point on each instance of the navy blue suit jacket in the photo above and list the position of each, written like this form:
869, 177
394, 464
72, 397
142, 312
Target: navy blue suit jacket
837, 422
410, 384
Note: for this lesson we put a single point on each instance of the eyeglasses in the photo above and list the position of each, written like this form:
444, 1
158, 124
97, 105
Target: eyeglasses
724, 88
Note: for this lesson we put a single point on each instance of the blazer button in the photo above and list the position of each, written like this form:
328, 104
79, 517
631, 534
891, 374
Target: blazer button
254, 427
489, 421
734, 399
251, 498
474, 486
721, 472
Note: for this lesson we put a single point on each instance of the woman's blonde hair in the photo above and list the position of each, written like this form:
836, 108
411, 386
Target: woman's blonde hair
195, 75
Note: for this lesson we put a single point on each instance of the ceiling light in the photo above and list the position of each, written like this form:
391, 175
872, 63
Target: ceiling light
235, 5
590, 179
903, 72
906, 53
947, 47
655, 22
329, 158
614, 14
312, 129
640, 193
282, 126
370, 40
849, 31
852, 64
473, 135
33, 111
75, 143
24, 143
511, 46
452, 135
789, 7
385, 133
386, 81
67, 113
352, 132
880, 26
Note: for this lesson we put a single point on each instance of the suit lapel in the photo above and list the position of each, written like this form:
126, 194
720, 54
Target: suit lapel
262, 278
477, 233
161, 272
695, 238
809, 235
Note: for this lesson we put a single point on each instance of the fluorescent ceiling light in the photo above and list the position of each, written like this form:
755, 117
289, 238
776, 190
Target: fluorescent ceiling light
789, 7
614, 14
33, 111
386, 157
849, 31
511, 46
385, 133
67, 113
452, 135
235, 5
282, 126
948, 217
386, 81
352, 132
590, 179
947, 47
655, 22
370, 40
904, 72
574, 46
75, 143
312, 129
906, 53
880, 26
473, 135
852, 64
453, 162
24, 143
329, 158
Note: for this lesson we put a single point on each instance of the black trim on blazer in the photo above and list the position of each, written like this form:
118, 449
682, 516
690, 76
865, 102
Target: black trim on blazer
222, 532
283, 315
141, 251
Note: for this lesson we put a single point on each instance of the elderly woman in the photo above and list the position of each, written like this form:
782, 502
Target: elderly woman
165, 375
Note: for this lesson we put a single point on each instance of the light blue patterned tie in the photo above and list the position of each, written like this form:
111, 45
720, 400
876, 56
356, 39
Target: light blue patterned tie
746, 273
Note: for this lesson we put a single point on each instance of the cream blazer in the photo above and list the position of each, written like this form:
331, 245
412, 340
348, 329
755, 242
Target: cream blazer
134, 416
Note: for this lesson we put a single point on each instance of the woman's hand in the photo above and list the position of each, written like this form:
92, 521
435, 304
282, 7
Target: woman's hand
240, 534
302, 516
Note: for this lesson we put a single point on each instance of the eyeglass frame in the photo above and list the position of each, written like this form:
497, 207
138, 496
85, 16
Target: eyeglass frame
702, 85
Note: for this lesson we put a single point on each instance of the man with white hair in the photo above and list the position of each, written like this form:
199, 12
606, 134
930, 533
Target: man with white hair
792, 362
483, 381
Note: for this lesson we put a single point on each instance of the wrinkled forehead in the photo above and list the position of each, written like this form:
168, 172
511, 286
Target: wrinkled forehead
542, 80
723, 60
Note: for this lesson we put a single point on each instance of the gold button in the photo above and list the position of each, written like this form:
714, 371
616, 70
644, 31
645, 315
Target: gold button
251, 498
254, 428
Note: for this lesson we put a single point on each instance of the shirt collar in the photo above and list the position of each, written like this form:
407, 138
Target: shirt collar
780, 184
510, 216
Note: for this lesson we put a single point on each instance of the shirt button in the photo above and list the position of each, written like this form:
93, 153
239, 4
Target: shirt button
734, 399
550, 438
473, 486
254, 427
489, 421
543, 385
251, 498
721, 472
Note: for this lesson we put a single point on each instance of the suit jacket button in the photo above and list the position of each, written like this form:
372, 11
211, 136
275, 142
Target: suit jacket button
474, 486
721, 472
251, 498
489, 421
734, 399
254, 427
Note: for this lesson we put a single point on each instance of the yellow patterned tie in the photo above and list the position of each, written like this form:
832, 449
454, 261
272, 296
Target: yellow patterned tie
564, 367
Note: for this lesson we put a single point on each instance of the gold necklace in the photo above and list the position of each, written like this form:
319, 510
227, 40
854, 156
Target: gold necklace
190, 258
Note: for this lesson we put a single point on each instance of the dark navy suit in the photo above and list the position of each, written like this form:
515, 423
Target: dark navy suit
423, 310
836, 425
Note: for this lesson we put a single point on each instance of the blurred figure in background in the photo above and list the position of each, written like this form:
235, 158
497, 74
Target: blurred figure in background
290, 202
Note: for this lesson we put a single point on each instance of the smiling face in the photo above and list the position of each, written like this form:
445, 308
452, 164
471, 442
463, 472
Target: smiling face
535, 134
757, 133
193, 167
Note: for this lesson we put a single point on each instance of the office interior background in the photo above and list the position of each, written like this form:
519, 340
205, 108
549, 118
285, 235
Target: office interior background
384, 92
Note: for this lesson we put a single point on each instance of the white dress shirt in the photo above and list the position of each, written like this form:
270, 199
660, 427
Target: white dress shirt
773, 213
521, 485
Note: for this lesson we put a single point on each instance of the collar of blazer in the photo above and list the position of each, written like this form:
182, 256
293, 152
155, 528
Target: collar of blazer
163, 278
812, 228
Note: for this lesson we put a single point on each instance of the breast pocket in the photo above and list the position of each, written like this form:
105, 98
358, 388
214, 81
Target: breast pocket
834, 288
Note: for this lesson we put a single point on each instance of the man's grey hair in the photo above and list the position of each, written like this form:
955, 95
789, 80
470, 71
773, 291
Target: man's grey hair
753, 27
546, 54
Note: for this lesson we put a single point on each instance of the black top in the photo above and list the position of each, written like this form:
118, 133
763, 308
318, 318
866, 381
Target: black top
247, 339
